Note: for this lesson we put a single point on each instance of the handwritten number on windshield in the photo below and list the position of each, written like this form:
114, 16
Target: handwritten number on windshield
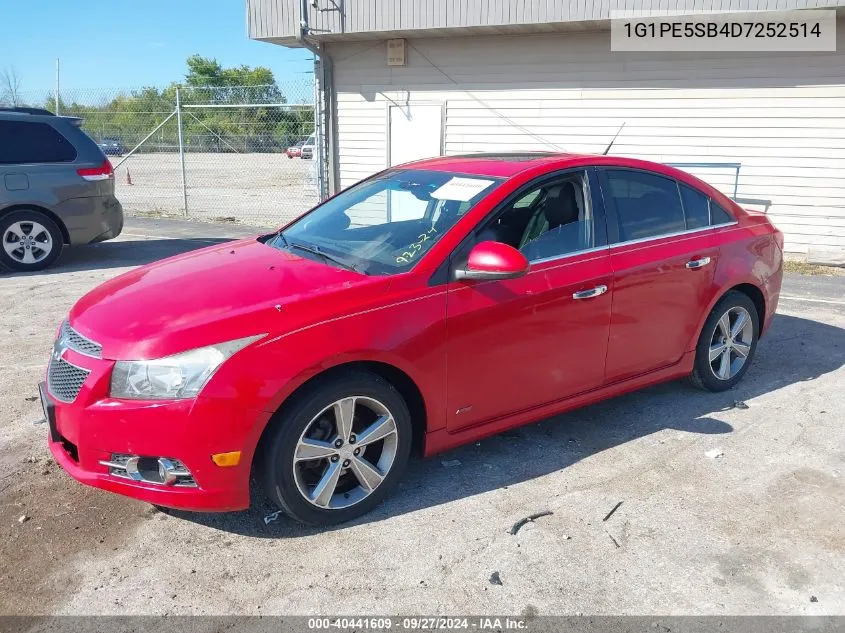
415, 248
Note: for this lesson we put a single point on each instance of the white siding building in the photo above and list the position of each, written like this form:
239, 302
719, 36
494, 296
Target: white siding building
504, 82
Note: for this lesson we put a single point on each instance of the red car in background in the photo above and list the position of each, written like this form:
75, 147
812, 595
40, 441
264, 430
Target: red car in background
434, 303
295, 151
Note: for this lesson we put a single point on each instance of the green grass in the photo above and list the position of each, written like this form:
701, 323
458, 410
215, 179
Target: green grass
803, 268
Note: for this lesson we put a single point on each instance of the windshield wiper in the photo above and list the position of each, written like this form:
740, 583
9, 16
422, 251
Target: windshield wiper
316, 251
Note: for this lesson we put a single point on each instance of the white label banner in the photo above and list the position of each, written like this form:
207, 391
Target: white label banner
772, 31
460, 189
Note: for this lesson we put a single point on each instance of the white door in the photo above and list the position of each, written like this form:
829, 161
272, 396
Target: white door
415, 132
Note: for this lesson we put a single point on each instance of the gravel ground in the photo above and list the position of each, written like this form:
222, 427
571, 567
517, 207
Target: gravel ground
757, 530
245, 187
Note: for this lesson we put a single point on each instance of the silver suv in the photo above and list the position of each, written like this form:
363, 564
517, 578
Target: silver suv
56, 188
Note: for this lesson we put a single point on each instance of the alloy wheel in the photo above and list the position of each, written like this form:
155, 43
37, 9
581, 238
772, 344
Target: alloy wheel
27, 242
345, 452
731, 343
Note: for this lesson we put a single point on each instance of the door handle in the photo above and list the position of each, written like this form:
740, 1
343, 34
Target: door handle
589, 294
698, 263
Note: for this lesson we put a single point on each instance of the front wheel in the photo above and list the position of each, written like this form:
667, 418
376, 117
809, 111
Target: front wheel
30, 239
727, 343
338, 450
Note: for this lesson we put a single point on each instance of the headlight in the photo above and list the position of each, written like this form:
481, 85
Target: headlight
173, 377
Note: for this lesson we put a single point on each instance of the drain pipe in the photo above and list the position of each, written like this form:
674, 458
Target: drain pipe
323, 108
304, 29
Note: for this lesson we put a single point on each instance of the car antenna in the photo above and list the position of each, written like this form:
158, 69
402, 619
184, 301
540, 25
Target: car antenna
607, 149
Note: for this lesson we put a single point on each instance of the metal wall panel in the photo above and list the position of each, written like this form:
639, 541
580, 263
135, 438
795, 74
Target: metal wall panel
780, 115
279, 19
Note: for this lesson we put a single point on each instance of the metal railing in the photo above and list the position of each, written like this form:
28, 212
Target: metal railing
735, 166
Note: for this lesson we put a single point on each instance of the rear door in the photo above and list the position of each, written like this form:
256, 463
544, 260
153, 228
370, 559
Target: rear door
663, 260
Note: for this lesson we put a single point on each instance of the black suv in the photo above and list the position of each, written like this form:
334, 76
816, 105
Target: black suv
56, 188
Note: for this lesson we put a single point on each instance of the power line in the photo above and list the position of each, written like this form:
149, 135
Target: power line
485, 105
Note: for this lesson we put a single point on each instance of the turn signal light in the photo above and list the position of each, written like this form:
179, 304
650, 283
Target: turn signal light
227, 459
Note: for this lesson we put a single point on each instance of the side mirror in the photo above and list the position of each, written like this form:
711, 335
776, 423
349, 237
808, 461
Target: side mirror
493, 260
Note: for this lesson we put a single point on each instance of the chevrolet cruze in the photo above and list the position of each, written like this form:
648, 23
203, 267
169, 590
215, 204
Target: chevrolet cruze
430, 305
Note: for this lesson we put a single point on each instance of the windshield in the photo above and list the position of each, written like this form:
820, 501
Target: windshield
384, 225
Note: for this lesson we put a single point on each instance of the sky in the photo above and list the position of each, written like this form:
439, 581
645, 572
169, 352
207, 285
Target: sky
124, 44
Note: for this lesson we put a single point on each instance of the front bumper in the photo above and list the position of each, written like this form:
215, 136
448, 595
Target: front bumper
94, 427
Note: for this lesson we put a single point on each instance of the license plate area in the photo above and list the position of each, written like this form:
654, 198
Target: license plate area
49, 410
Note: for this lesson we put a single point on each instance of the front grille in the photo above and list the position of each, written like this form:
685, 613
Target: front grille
78, 343
64, 380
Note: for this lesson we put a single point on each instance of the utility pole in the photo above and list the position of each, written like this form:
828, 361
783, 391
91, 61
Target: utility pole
57, 86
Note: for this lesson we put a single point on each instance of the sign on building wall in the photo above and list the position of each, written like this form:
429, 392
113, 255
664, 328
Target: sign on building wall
396, 52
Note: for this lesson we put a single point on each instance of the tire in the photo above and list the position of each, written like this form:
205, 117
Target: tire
41, 240
312, 415
726, 370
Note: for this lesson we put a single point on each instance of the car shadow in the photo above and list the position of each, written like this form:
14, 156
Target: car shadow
118, 254
794, 350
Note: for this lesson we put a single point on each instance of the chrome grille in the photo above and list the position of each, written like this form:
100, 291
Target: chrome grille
64, 380
78, 343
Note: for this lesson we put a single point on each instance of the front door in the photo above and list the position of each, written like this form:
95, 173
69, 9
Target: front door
521, 343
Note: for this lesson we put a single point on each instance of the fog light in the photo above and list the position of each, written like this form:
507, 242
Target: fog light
152, 470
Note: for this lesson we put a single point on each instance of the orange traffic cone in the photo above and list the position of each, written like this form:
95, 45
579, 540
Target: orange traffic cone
128, 178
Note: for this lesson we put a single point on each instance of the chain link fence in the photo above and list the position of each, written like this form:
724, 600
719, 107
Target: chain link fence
208, 153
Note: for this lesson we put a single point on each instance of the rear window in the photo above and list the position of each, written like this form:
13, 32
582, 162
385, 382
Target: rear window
26, 142
718, 215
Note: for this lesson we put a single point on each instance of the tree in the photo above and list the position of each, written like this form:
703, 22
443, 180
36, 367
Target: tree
260, 127
241, 84
10, 87
247, 129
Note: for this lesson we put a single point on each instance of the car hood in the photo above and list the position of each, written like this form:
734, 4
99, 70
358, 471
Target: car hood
215, 294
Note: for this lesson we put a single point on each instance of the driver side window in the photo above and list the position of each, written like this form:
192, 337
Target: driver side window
548, 221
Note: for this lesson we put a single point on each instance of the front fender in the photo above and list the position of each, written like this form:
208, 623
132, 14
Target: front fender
409, 334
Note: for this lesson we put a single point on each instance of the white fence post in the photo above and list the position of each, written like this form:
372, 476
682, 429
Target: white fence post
181, 148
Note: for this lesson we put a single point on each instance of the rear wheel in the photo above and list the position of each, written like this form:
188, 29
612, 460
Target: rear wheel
727, 343
338, 450
30, 240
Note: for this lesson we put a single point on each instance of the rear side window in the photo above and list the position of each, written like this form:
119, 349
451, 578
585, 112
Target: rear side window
647, 205
718, 215
696, 207
27, 142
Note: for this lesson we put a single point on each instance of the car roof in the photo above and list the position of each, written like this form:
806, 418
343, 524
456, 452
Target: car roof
507, 165
501, 165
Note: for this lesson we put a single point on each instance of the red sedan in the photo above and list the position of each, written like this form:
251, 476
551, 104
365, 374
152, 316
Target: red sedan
294, 150
432, 305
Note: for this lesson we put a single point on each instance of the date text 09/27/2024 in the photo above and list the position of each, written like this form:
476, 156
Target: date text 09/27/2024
420, 623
